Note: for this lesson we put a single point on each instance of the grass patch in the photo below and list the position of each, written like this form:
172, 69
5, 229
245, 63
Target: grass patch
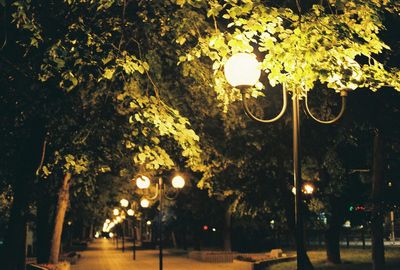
352, 259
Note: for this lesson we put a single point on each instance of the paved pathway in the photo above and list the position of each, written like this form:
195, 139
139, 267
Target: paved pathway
102, 255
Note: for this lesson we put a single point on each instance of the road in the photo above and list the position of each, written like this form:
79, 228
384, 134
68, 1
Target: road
102, 255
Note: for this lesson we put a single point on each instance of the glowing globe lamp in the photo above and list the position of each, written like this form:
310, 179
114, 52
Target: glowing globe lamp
142, 182
242, 69
144, 203
178, 182
124, 202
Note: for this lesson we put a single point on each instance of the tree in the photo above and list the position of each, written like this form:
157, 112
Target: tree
97, 76
116, 61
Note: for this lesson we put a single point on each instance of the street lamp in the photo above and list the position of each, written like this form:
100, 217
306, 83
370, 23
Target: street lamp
308, 188
144, 203
124, 202
131, 213
242, 71
143, 182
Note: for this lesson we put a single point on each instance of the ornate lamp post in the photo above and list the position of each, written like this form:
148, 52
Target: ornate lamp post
131, 213
124, 204
116, 213
143, 182
242, 71
120, 217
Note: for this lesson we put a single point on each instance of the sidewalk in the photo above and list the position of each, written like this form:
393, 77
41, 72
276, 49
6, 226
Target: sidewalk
102, 255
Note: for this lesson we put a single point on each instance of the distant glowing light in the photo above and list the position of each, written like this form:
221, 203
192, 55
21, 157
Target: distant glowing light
308, 188
130, 212
116, 212
148, 222
124, 202
178, 181
142, 182
144, 203
347, 224
205, 228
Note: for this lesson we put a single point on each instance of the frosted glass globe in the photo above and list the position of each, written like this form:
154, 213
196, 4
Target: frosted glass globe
242, 69
130, 212
142, 182
144, 203
178, 182
124, 202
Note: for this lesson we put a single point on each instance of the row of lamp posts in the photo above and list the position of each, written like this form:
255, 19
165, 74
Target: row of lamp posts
162, 191
119, 217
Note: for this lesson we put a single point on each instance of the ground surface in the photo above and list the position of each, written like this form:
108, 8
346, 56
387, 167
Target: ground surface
353, 259
102, 255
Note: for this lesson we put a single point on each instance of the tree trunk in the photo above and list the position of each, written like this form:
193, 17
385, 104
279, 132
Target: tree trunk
23, 167
62, 204
91, 231
227, 229
332, 244
333, 233
378, 249
44, 220
15, 238
83, 233
184, 236
43, 229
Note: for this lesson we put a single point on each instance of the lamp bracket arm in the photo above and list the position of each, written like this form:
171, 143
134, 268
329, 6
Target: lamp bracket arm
343, 94
152, 198
173, 197
255, 118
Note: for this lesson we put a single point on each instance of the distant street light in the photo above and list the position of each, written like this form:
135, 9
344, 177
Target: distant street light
308, 188
144, 203
130, 212
178, 182
242, 71
142, 182
124, 202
